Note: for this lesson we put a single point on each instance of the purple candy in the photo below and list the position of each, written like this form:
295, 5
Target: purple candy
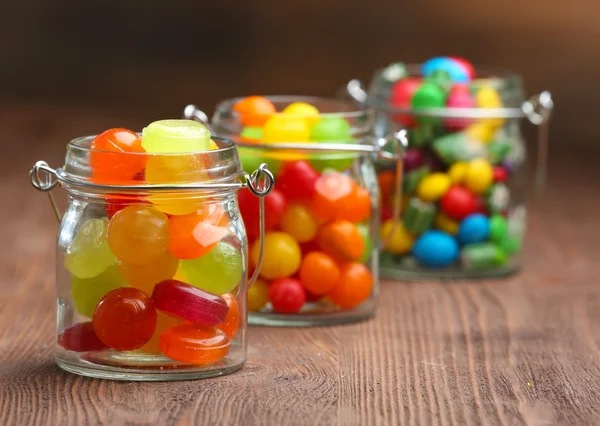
413, 159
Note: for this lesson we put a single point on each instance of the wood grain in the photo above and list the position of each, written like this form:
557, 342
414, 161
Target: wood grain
520, 351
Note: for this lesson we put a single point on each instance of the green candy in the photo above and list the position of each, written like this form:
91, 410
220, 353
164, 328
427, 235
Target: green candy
252, 133
251, 158
175, 136
510, 245
429, 95
411, 179
87, 292
498, 228
482, 255
457, 146
363, 229
442, 79
497, 150
419, 216
332, 130
89, 254
219, 271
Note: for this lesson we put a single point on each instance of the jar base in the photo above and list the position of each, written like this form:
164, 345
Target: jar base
313, 318
114, 365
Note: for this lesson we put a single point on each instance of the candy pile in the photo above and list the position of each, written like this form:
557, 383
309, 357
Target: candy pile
456, 198
156, 274
317, 237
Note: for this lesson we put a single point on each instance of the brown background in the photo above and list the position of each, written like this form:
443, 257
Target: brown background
147, 59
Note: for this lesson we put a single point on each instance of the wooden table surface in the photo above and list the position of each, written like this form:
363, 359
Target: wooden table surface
519, 351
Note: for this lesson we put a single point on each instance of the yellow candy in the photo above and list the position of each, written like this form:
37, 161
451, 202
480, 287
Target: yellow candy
446, 224
487, 97
299, 223
457, 172
433, 187
481, 132
258, 295
212, 145
479, 176
303, 110
401, 241
283, 128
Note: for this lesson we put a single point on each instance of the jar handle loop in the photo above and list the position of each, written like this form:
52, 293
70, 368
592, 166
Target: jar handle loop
355, 91
192, 112
43, 178
538, 110
260, 183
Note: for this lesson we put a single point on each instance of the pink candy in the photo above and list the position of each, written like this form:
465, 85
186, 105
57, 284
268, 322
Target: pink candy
459, 97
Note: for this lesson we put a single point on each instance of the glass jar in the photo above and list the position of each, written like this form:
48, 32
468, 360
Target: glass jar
322, 219
465, 175
151, 271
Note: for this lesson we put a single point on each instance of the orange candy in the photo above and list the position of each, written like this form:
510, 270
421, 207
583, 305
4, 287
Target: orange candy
109, 160
195, 234
232, 320
194, 344
337, 196
386, 184
318, 273
254, 110
341, 240
354, 286
145, 276
163, 322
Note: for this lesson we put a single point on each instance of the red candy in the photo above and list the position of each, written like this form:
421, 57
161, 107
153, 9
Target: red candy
275, 205
297, 180
80, 338
458, 203
401, 96
466, 65
190, 303
125, 319
287, 295
231, 324
108, 161
500, 174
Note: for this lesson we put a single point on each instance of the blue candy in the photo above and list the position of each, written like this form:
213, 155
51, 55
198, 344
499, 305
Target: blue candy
474, 228
436, 249
455, 69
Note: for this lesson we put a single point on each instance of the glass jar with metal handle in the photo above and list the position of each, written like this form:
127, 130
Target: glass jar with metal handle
152, 271
464, 188
322, 219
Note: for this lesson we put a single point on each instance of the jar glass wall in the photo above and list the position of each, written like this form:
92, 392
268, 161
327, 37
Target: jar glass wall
321, 261
151, 271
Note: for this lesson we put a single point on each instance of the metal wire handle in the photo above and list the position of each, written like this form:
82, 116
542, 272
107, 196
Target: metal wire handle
260, 183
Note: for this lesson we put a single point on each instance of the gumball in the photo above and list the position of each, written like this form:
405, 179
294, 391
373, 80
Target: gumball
231, 324
368, 243
80, 338
355, 208
488, 97
139, 234
172, 136
287, 295
195, 234
446, 224
498, 228
458, 98
254, 110
413, 159
474, 229
275, 205
194, 344
299, 223
297, 180
342, 240
303, 110
332, 191
284, 128
457, 172
332, 130
480, 132
435, 249
466, 65
458, 203
125, 319
116, 156
401, 240
428, 95
401, 94
145, 276
433, 187
479, 176
354, 286
281, 258
190, 303
163, 323
251, 134
87, 292
456, 69
500, 174
318, 273
219, 271
89, 254
258, 295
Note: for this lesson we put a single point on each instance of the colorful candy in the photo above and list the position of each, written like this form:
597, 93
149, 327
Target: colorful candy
87, 292
298, 221
436, 249
254, 110
282, 255
125, 319
195, 234
231, 323
194, 344
287, 295
219, 271
318, 273
145, 276
275, 205
342, 240
173, 136
354, 286
474, 229
80, 338
88, 255
258, 295
109, 159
